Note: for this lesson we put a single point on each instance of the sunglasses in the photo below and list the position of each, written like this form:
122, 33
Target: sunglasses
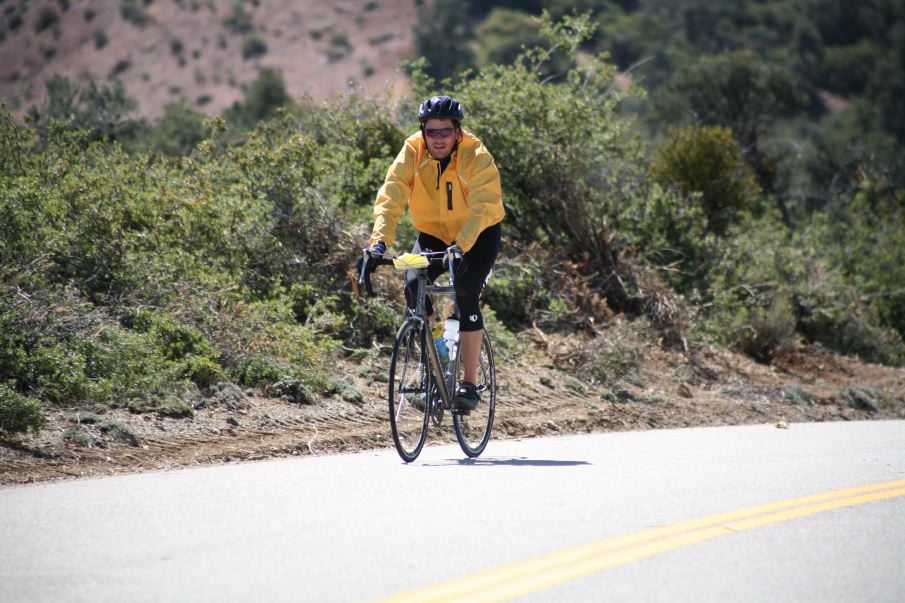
441, 133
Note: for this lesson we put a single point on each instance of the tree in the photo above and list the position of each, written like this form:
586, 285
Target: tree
735, 90
443, 37
100, 110
262, 99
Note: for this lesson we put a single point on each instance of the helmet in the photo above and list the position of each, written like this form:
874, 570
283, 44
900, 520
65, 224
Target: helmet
441, 107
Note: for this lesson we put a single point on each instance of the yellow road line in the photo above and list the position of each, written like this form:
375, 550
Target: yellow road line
523, 577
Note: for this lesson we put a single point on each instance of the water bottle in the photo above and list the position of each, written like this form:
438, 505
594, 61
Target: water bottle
440, 342
451, 335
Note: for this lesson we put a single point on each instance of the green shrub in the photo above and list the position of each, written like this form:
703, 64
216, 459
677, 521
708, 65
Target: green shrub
517, 291
18, 413
120, 432
761, 333
176, 340
263, 99
100, 38
705, 164
47, 18
239, 20
253, 46
796, 394
85, 418
763, 261
119, 68
261, 371
176, 46
861, 398
179, 130
77, 437
174, 407
134, 12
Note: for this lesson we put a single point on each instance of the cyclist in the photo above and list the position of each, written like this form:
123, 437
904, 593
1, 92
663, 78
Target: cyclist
448, 180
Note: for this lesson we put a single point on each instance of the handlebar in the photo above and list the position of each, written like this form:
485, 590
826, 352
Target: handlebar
369, 264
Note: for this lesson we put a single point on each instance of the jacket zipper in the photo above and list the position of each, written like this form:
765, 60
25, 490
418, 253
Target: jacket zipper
449, 196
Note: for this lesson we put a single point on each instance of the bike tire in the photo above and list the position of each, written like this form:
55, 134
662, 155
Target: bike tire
473, 429
410, 382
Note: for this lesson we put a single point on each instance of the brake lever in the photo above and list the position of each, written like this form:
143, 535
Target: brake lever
364, 278
452, 253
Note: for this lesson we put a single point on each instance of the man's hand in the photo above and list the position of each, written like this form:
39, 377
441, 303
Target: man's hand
376, 250
374, 253
365, 267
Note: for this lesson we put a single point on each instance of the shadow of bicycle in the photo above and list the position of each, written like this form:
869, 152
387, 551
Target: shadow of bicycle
506, 462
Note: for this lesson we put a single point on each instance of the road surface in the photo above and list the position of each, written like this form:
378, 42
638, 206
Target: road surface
711, 514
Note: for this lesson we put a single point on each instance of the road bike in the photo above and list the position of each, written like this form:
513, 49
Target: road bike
421, 384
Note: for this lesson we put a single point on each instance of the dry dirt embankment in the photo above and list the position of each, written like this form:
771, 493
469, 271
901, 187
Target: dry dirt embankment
668, 389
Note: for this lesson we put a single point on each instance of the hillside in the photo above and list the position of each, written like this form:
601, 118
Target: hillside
203, 53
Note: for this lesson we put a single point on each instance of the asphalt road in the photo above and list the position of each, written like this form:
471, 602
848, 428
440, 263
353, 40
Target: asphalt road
365, 526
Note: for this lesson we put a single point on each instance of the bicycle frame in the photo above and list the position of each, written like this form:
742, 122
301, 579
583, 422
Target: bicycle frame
445, 382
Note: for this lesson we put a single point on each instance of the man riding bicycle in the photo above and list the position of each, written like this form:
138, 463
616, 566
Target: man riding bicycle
449, 182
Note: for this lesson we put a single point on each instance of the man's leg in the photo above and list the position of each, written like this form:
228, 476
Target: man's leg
478, 261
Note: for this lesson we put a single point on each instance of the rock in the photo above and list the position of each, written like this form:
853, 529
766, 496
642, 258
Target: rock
684, 391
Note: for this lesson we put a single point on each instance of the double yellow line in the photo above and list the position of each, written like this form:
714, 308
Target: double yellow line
523, 577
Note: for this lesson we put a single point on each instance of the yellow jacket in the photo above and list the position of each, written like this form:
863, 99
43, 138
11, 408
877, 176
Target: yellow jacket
455, 206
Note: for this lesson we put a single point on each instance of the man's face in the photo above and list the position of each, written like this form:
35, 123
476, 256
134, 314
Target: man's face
441, 137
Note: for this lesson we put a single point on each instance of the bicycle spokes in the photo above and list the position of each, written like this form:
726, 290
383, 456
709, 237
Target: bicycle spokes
409, 386
473, 428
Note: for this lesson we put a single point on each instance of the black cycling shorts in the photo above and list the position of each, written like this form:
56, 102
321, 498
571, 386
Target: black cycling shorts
469, 279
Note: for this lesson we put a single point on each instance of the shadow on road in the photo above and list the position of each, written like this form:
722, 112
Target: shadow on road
510, 462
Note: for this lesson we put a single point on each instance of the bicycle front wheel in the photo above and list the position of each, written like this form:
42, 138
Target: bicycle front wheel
409, 387
473, 429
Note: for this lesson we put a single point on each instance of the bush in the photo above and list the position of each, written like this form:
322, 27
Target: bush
100, 38
120, 431
263, 99
253, 46
705, 165
18, 414
47, 18
179, 130
134, 12
762, 333
77, 437
763, 262
861, 398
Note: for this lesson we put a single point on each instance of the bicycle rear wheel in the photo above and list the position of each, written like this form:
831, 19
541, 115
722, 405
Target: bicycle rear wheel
473, 429
409, 387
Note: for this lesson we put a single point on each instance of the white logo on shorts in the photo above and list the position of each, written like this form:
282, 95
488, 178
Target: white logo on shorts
473, 318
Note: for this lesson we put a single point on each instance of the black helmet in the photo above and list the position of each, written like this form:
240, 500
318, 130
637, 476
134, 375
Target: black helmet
441, 107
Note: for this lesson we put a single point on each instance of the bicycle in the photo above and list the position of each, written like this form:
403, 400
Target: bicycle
421, 388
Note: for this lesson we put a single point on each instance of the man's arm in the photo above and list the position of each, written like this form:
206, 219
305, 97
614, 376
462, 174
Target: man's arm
393, 197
